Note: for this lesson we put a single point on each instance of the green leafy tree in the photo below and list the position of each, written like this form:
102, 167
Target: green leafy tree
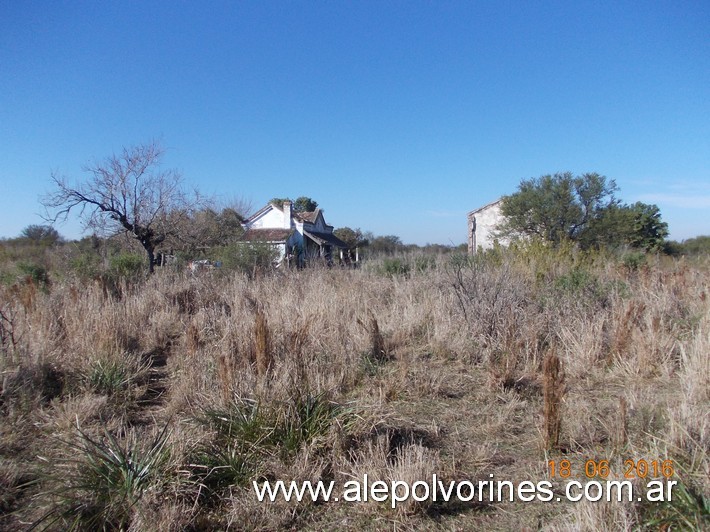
354, 238
558, 207
648, 231
304, 204
206, 228
699, 245
387, 244
638, 226
41, 234
301, 204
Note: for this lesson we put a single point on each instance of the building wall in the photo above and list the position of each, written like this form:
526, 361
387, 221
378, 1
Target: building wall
274, 218
482, 224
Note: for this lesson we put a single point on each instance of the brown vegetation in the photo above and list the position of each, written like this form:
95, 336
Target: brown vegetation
453, 369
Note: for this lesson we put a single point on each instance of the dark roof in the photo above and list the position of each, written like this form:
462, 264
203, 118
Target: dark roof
267, 235
310, 216
325, 238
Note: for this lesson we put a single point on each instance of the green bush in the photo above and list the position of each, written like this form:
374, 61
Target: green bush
577, 280
127, 266
304, 419
245, 257
36, 272
86, 265
249, 432
634, 260
283, 425
423, 263
394, 266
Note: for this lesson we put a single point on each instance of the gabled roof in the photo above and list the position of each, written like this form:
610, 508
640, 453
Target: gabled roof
266, 208
309, 217
491, 204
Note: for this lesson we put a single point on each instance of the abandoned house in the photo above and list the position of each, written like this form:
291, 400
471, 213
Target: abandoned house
482, 226
298, 237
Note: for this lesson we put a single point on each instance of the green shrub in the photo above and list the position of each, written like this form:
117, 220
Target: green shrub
688, 510
86, 265
423, 263
36, 272
283, 425
244, 257
249, 432
577, 280
634, 260
244, 420
217, 466
394, 266
304, 419
243, 432
127, 266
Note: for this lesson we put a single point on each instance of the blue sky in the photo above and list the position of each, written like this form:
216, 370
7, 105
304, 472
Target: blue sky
397, 117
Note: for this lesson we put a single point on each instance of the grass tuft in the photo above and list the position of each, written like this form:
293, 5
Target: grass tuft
98, 484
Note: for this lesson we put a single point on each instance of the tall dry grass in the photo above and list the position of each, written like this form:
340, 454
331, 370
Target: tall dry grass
436, 369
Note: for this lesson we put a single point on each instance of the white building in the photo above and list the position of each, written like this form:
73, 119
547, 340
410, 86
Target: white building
482, 225
297, 236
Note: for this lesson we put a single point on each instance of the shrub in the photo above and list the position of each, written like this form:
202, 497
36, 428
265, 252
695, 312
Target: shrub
248, 258
127, 266
86, 265
423, 263
634, 261
37, 273
577, 280
303, 419
394, 266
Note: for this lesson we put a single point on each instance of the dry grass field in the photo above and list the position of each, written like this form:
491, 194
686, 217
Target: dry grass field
154, 405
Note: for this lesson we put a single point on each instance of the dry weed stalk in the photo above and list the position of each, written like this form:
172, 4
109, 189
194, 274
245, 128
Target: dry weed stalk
621, 436
378, 348
624, 330
192, 338
262, 346
297, 339
500, 369
225, 374
28, 294
554, 390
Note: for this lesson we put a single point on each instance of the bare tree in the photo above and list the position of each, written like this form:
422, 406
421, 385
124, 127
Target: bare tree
127, 193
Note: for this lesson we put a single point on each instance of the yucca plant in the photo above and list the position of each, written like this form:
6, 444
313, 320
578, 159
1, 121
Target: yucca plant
97, 487
688, 510
303, 419
112, 376
242, 438
217, 465
244, 420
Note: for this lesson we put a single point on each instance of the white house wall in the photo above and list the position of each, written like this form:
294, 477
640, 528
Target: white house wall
273, 218
487, 220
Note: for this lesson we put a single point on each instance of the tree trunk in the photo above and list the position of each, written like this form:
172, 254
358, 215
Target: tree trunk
150, 250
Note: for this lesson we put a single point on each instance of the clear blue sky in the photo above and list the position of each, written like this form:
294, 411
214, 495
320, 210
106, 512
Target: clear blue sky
397, 117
